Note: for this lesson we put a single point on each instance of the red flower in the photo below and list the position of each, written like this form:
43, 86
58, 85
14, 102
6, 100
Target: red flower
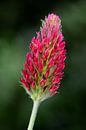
43, 68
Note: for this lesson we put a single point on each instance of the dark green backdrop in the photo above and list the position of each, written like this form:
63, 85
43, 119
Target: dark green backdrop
19, 20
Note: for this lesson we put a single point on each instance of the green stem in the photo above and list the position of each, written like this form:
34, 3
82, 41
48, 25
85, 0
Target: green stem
33, 115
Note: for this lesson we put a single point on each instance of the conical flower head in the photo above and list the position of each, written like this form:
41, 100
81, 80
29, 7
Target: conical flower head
43, 68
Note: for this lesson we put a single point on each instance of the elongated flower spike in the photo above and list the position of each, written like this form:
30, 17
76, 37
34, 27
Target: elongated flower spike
43, 68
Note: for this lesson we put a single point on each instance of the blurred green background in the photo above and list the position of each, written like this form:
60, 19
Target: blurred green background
19, 20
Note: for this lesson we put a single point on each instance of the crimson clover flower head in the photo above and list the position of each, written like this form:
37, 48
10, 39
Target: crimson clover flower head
43, 68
